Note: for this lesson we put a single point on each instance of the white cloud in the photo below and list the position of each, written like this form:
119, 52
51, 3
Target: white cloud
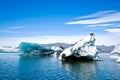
19, 32
105, 19
113, 30
12, 29
99, 18
17, 27
96, 25
97, 14
6, 31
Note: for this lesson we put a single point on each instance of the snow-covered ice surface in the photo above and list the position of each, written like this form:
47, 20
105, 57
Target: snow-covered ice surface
83, 48
115, 54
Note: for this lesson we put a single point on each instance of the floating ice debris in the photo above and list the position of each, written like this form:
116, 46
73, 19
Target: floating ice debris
83, 49
118, 60
115, 54
57, 49
31, 49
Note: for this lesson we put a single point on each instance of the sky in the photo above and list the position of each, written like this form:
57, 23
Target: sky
67, 21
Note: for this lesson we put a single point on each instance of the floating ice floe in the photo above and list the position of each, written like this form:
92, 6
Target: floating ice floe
118, 60
32, 49
83, 49
115, 54
57, 50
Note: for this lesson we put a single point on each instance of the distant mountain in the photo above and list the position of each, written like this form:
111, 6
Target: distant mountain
65, 45
105, 49
8, 49
102, 48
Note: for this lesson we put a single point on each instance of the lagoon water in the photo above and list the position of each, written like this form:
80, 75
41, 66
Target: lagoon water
14, 67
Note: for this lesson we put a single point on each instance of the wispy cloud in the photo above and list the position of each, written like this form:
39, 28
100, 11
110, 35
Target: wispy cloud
13, 29
102, 18
96, 25
113, 30
18, 32
97, 14
17, 27
6, 31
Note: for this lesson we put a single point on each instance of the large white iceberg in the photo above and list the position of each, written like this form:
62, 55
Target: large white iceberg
115, 54
30, 49
83, 49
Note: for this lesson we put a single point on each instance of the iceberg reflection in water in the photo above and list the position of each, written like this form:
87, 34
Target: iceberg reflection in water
81, 70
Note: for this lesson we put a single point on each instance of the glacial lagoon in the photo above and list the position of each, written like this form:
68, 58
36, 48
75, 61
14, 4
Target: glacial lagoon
14, 67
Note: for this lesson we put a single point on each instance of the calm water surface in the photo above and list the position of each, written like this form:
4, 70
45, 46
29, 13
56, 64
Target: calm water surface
14, 67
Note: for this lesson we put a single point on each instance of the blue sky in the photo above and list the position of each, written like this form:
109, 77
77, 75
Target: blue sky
47, 21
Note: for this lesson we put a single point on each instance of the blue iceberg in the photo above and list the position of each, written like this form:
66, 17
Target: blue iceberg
31, 49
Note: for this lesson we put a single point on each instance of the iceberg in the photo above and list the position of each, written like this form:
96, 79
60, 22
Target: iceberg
118, 60
57, 50
31, 49
115, 54
83, 49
